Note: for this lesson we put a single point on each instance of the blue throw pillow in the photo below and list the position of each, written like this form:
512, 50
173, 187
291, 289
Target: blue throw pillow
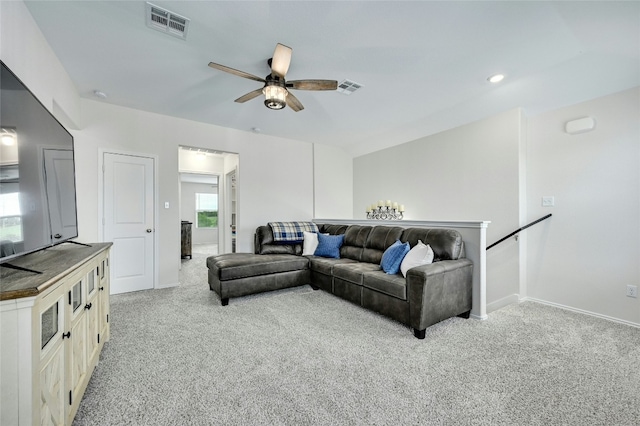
392, 257
329, 245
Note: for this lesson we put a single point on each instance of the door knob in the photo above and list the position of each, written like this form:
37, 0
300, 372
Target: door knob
149, 230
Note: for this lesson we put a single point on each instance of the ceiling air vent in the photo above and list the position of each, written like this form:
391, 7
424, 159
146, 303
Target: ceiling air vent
348, 87
168, 22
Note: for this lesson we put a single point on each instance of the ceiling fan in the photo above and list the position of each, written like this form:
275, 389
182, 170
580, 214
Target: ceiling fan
275, 88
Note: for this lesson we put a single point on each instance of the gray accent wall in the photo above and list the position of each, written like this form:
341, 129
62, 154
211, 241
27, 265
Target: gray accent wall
470, 173
498, 169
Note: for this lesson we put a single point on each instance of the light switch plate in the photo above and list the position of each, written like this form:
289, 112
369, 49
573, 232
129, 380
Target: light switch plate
548, 201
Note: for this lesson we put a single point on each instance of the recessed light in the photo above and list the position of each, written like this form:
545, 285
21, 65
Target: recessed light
496, 78
99, 94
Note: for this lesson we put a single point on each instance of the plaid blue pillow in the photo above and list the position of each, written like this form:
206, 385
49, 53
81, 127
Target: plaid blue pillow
329, 246
392, 257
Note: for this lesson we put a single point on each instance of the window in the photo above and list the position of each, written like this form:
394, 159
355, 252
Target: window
206, 210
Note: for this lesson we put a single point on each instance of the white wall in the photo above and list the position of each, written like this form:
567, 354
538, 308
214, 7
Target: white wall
333, 182
26, 52
468, 173
586, 255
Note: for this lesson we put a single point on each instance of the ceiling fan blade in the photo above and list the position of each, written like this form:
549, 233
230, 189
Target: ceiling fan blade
313, 84
281, 60
294, 103
249, 96
236, 72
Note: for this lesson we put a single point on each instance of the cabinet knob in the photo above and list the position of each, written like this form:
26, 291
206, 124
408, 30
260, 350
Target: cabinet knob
101, 288
88, 306
67, 335
149, 230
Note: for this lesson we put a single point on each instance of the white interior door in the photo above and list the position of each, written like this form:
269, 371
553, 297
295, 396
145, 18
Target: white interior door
129, 220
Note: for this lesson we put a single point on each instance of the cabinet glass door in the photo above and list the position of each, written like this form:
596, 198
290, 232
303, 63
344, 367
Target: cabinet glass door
76, 296
49, 324
91, 282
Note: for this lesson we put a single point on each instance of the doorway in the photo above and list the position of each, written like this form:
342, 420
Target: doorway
199, 207
210, 168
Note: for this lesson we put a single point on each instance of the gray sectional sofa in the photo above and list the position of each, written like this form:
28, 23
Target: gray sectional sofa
429, 293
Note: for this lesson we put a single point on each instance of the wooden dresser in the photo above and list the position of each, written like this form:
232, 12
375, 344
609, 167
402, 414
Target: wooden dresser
185, 246
53, 326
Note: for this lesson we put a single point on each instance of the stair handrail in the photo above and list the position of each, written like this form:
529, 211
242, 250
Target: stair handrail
518, 230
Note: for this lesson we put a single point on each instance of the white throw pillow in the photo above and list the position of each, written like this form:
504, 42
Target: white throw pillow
421, 254
309, 243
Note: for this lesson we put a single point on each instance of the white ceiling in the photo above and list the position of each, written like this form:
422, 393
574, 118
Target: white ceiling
423, 64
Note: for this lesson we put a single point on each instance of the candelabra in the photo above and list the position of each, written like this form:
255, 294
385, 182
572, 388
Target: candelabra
385, 211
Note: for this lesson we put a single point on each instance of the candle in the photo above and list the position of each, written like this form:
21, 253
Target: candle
401, 207
380, 203
395, 205
388, 203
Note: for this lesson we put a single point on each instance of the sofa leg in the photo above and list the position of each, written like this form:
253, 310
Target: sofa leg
465, 315
419, 333
224, 301
315, 287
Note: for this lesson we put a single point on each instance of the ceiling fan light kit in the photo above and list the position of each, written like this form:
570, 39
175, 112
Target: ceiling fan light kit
275, 89
275, 96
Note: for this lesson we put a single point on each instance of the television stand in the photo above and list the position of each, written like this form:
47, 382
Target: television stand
19, 268
80, 244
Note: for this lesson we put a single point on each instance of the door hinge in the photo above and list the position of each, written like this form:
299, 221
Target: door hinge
107, 317
70, 397
98, 338
69, 296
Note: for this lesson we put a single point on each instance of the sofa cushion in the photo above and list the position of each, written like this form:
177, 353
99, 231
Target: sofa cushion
420, 254
380, 238
232, 266
332, 229
393, 256
329, 246
392, 285
354, 238
353, 272
447, 244
324, 265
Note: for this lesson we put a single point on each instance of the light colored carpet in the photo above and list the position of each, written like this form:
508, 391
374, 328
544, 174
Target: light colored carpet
304, 357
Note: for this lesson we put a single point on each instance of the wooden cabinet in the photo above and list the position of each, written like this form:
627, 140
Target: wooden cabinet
185, 250
52, 328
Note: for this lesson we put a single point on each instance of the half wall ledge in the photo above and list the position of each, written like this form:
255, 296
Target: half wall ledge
474, 235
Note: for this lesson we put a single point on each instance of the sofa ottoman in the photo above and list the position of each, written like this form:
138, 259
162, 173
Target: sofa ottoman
242, 274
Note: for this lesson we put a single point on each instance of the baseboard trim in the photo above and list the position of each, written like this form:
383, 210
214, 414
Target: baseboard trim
478, 317
580, 311
501, 303
167, 285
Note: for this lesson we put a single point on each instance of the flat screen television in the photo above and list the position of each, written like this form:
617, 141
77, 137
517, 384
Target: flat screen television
37, 173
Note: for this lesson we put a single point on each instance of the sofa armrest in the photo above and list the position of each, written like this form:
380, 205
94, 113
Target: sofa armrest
439, 291
264, 243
